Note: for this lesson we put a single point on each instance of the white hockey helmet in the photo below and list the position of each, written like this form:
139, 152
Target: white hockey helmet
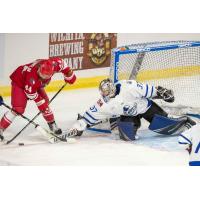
107, 88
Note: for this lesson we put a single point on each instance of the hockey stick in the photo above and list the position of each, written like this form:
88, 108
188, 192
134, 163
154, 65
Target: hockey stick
137, 65
92, 127
193, 115
9, 141
70, 134
37, 126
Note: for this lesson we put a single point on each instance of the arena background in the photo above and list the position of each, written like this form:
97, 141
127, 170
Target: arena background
21, 48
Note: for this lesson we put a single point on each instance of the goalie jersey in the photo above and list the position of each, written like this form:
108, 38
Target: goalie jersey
190, 140
132, 98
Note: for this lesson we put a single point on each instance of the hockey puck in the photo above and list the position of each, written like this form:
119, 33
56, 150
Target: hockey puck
21, 144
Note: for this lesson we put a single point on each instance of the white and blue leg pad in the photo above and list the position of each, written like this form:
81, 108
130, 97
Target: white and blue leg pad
127, 130
165, 125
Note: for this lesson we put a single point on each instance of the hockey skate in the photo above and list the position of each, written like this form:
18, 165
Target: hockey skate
54, 128
1, 135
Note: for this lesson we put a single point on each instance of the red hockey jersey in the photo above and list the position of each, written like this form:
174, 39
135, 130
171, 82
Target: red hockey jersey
27, 78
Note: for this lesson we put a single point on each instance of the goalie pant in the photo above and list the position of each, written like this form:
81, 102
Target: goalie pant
190, 141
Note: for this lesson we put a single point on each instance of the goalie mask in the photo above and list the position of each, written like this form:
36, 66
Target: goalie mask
107, 88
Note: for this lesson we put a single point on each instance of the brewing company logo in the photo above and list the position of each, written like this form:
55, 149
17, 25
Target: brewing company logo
99, 47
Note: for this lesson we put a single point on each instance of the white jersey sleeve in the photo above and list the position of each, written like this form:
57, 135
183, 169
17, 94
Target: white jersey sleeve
144, 90
97, 112
191, 137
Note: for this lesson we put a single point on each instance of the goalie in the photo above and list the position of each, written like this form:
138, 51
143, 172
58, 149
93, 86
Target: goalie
125, 103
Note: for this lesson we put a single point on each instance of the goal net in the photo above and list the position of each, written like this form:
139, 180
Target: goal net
174, 65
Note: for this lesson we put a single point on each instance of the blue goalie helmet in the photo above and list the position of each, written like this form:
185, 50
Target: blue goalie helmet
107, 88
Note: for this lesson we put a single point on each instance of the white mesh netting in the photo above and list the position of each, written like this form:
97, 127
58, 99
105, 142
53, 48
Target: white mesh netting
174, 65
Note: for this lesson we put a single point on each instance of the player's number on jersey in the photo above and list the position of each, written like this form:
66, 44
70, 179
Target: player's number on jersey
197, 149
139, 85
93, 109
26, 69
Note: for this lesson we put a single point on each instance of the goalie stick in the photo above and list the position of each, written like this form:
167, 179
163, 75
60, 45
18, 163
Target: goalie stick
72, 133
137, 65
193, 115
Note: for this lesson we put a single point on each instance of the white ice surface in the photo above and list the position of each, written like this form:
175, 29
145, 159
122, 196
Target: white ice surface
92, 148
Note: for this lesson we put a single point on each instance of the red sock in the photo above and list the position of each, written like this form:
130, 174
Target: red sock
7, 119
48, 115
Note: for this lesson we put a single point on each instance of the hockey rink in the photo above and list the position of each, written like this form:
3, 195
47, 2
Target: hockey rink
92, 149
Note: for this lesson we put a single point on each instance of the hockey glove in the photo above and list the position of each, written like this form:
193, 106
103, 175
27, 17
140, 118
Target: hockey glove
78, 128
74, 132
70, 77
165, 94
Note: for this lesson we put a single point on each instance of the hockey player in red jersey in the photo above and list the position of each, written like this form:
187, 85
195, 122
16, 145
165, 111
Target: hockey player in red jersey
28, 82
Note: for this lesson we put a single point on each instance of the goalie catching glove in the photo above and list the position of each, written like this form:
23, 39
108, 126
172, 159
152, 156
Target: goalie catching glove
165, 94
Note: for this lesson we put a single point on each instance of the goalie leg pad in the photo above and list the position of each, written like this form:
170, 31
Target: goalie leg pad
114, 128
127, 130
167, 126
